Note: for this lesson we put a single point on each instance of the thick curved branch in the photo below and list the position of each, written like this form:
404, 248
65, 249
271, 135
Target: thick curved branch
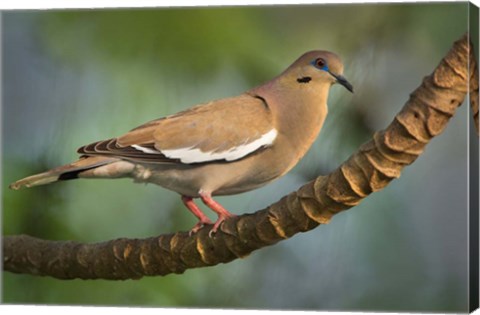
370, 169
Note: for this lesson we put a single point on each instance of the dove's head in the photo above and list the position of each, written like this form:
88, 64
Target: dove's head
318, 67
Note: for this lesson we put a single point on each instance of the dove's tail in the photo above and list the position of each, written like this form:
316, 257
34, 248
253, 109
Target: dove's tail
84, 167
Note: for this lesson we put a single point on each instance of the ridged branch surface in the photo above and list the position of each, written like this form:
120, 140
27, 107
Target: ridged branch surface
370, 169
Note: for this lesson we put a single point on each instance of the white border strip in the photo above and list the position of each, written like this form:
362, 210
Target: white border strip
87, 4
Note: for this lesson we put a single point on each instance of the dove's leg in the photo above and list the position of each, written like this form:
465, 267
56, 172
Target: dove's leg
202, 218
222, 213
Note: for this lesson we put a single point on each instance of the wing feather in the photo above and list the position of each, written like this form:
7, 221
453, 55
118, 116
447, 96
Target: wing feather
226, 129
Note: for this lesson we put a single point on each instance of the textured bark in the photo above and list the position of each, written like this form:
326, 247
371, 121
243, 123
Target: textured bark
370, 169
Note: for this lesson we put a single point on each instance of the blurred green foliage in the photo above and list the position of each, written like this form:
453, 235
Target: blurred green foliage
73, 77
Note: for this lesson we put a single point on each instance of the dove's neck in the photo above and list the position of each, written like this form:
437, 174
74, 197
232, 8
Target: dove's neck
299, 111
299, 108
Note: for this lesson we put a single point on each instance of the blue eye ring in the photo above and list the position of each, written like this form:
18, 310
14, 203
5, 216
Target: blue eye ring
321, 64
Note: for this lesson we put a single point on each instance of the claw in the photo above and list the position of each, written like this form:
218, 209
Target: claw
221, 218
200, 224
211, 233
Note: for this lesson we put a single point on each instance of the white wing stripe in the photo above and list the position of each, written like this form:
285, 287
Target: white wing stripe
195, 155
145, 150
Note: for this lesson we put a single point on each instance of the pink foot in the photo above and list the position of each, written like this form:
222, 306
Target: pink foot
202, 218
222, 213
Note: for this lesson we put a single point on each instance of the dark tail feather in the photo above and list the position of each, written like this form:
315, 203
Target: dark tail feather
72, 174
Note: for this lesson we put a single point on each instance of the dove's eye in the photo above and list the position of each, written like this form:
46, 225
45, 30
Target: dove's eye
320, 63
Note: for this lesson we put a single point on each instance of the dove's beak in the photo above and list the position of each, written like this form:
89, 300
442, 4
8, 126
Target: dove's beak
341, 80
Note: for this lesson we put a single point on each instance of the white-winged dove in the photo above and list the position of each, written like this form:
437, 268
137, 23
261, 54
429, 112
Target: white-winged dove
223, 147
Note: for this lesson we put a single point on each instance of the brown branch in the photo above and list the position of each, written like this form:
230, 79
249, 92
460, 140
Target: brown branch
370, 169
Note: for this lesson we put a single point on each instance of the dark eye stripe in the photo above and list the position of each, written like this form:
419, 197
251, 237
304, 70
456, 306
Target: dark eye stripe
304, 80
